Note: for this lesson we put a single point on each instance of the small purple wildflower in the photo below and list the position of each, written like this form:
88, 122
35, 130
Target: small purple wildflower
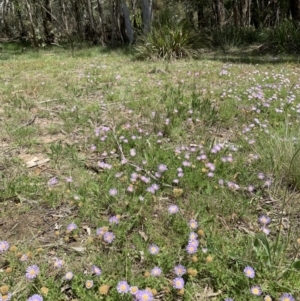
69, 179
32, 271
133, 290
193, 224
4, 245
250, 188
178, 283
53, 181
193, 236
153, 249
228, 299
89, 284
69, 276
58, 263
153, 188
96, 271
123, 287
156, 271
249, 272
256, 290
71, 227
113, 192
211, 166
35, 297
104, 165
265, 230
114, 219
261, 175
264, 220
162, 168
144, 295
109, 237
132, 152
6, 297
186, 163
191, 249
194, 242
173, 209
287, 297
101, 231
179, 270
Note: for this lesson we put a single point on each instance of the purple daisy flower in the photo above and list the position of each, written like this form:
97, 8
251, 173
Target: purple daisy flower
58, 263
95, 270
101, 231
193, 236
264, 220
173, 209
287, 297
256, 290
249, 272
53, 181
153, 249
69, 276
4, 245
156, 271
162, 167
193, 224
113, 192
123, 287
178, 283
228, 299
89, 284
179, 270
133, 290
144, 295
71, 227
32, 271
191, 248
114, 220
35, 297
109, 237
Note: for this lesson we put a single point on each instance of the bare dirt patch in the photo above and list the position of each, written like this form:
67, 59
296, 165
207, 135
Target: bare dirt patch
38, 223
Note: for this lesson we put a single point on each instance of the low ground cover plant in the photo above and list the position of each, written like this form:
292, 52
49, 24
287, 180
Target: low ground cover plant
126, 180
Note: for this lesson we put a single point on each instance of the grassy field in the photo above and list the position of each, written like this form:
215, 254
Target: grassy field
128, 180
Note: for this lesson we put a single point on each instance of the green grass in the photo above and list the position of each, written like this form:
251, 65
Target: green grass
242, 116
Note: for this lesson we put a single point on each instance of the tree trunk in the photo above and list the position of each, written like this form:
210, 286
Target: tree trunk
244, 12
4, 10
47, 22
23, 32
147, 15
200, 15
100, 12
64, 14
235, 14
91, 32
128, 26
34, 40
295, 9
219, 12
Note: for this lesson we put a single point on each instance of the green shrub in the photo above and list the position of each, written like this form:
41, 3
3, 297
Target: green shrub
229, 36
285, 37
171, 37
